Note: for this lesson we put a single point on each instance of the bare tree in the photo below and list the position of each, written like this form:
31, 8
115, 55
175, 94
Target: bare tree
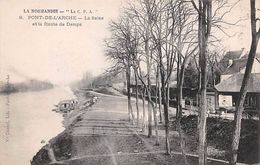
143, 22
243, 90
210, 15
204, 10
121, 48
162, 20
186, 46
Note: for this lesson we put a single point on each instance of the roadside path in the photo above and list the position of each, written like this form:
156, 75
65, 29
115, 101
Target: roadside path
105, 136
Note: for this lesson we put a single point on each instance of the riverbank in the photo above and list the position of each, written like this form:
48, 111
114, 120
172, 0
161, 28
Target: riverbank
102, 134
59, 147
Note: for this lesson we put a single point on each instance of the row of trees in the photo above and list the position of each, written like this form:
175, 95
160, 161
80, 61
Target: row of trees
156, 40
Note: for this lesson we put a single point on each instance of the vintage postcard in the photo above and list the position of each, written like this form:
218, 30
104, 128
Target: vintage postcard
129, 82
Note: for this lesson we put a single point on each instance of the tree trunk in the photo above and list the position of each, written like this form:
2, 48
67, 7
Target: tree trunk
155, 119
150, 133
166, 110
148, 66
202, 127
156, 125
203, 90
156, 88
166, 119
144, 115
204, 29
198, 98
244, 86
179, 107
128, 95
168, 96
160, 99
136, 99
130, 110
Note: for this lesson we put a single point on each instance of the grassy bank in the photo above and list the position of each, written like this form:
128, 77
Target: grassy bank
219, 135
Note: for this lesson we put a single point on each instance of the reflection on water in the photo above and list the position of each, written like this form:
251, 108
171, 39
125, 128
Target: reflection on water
7, 118
26, 122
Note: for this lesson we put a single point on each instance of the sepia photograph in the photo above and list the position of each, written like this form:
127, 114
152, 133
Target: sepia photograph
129, 82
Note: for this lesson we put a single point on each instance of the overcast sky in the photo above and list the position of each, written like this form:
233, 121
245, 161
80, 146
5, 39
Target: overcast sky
63, 54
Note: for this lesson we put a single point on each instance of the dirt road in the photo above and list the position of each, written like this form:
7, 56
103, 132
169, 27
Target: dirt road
103, 135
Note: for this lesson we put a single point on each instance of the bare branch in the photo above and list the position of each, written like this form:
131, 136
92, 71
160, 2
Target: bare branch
195, 6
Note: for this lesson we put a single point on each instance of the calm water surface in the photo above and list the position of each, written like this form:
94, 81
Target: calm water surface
26, 121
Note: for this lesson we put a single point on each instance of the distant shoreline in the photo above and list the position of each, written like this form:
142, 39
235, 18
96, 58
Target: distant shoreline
28, 86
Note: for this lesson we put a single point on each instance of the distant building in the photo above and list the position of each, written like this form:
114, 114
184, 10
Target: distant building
233, 65
235, 62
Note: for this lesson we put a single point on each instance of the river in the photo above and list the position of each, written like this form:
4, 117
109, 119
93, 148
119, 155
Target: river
27, 123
